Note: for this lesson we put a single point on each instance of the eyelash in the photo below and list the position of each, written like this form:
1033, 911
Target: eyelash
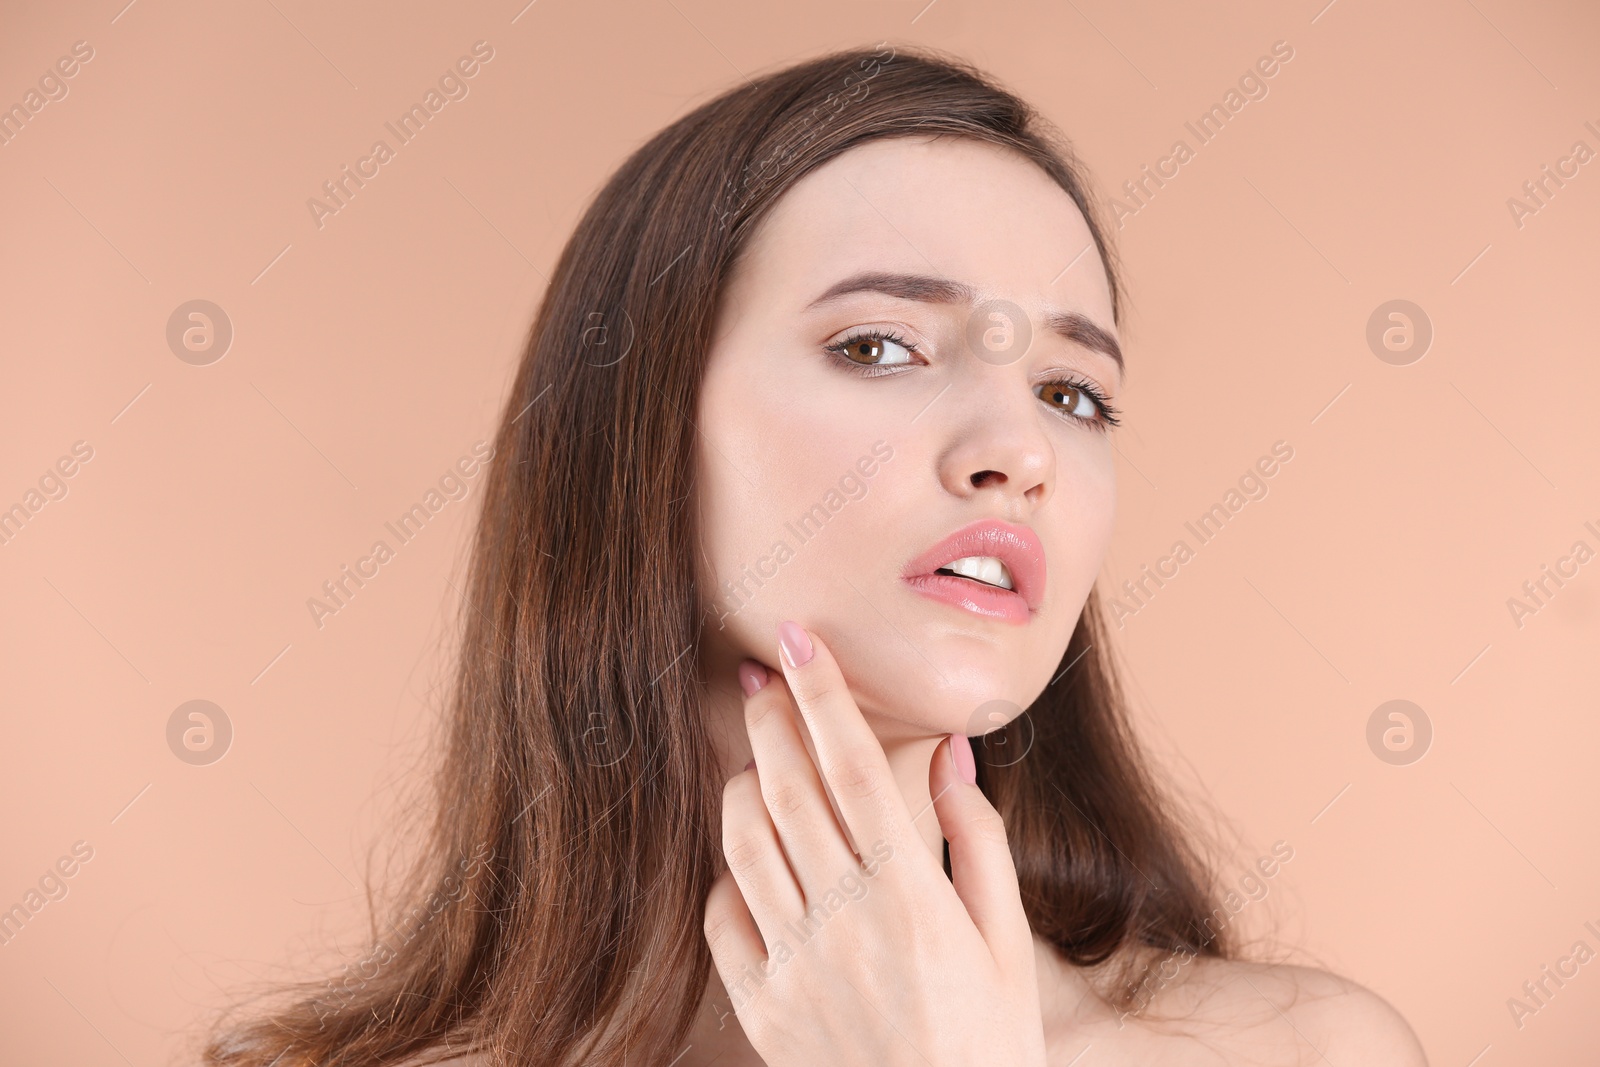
1108, 414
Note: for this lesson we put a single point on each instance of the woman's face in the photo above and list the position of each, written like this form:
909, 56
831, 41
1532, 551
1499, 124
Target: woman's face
962, 392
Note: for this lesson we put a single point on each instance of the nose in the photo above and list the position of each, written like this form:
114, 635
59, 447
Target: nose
998, 447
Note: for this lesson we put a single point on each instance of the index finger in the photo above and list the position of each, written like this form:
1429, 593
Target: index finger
849, 755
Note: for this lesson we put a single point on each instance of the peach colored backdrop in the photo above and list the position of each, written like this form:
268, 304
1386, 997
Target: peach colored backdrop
180, 508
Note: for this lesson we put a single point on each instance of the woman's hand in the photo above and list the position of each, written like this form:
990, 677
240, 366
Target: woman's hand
873, 962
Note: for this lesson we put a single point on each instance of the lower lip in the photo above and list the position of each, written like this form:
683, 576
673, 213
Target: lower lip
990, 601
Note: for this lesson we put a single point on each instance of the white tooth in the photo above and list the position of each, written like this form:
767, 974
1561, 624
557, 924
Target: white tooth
994, 572
967, 566
985, 569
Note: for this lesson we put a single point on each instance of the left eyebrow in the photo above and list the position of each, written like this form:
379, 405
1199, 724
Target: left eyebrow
929, 289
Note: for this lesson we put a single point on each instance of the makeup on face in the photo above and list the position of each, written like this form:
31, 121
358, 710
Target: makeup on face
990, 568
929, 581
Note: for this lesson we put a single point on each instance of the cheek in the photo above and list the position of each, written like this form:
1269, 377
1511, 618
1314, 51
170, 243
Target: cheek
775, 497
1083, 516
1076, 529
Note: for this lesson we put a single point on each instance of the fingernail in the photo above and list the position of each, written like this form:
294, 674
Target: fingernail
750, 766
961, 756
795, 644
752, 676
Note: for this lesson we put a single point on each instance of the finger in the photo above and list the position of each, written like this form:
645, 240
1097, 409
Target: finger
755, 856
848, 753
981, 868
731, 931
791, 788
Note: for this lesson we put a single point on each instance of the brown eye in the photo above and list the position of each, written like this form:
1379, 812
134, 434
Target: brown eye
874, 350
1069, 398
866, 350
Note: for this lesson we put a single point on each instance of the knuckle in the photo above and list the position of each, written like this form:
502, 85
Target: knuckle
855, 775
988, 825
743, 854
784, 799
718, 926
816, 692
759, 708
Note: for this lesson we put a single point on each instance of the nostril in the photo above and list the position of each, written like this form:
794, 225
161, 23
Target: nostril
983, 476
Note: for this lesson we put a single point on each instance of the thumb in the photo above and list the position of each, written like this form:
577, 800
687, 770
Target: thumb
981, 868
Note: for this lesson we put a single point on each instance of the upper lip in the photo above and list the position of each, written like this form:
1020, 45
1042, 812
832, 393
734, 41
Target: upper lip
1016, 546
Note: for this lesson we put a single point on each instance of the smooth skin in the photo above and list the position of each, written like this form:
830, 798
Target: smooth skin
851, 747
914, 970
918, 969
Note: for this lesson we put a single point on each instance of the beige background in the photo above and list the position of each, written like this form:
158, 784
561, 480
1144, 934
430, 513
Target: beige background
372, 352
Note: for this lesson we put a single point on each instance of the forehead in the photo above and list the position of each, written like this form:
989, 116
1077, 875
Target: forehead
955, 207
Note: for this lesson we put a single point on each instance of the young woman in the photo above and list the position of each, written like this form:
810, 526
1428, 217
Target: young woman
805, 478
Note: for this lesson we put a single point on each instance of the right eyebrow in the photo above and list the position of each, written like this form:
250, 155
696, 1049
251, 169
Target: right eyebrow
931, 289
924, 287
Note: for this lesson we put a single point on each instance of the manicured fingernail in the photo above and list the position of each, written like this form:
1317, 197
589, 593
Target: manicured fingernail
795, 644
752, 676
961, 756
750, 766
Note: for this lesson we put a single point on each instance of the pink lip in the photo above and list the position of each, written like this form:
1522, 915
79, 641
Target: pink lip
1016, 546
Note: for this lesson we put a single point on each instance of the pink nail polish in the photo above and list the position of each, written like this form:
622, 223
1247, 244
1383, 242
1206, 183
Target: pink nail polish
961, 756
795, 644
750, 766
752, 676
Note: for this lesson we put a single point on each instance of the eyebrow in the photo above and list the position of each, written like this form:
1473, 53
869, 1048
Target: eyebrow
930, 289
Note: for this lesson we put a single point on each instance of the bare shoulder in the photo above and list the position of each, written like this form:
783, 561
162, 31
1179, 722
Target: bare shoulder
1339, 1018
1189, 1011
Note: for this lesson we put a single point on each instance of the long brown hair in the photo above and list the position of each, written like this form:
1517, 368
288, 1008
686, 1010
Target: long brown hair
579, 774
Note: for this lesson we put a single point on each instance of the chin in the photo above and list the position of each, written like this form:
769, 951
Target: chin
913, 679
916, 667
964, 686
